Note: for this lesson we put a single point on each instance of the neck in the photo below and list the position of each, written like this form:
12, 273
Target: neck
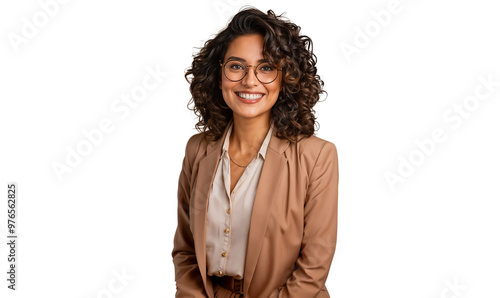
248, 134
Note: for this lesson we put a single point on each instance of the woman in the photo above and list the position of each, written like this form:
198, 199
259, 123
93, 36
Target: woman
257, 197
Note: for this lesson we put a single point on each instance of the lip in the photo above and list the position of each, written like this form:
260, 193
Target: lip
244, 100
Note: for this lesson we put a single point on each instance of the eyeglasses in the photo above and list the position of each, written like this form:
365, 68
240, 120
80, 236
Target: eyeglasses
235, 71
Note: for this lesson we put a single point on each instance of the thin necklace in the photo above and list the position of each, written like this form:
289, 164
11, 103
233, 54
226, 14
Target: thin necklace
236, 163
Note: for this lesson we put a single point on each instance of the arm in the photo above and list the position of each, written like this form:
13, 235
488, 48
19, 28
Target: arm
320, 228
187, 274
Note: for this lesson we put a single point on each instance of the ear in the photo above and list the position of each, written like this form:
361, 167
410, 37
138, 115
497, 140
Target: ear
220, 85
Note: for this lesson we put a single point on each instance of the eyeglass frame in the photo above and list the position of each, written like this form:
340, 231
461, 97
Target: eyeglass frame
223, 65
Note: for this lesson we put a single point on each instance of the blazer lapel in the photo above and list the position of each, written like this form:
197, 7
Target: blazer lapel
270, 177
206, 175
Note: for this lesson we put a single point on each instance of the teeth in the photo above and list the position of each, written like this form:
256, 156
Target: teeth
249, 96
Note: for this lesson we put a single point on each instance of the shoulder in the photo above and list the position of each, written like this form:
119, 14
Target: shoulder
315, 152
314, 146
195, 143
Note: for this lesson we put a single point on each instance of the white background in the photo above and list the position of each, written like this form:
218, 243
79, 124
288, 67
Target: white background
434, 234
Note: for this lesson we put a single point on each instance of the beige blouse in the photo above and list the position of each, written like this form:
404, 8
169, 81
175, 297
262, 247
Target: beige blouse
228, 215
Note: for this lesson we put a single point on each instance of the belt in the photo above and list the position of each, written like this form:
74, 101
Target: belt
229, 283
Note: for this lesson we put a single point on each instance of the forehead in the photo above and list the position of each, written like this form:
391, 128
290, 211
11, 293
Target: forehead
248, 47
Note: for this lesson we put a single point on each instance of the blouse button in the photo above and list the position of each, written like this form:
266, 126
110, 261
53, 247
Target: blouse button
226, 231
228, 211
224, 254
220, 272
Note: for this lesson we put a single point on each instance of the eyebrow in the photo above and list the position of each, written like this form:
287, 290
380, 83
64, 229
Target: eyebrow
243, 60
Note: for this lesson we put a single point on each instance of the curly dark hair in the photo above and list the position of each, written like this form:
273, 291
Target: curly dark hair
293, 112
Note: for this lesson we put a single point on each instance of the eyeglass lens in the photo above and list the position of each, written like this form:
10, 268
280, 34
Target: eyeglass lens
236, 70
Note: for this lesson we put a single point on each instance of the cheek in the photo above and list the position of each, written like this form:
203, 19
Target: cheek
225, 86
275, 88
273, 93
277, 85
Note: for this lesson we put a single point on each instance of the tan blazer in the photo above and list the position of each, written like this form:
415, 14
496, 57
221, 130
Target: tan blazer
293, 229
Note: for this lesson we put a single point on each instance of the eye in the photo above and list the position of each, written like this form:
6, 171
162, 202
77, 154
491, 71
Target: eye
235, 66
266, 68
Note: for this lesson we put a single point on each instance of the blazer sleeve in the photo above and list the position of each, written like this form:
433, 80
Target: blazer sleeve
320, 229
187, 274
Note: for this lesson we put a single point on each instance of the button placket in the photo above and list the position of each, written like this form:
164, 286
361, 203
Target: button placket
226, 205
227, 221
227, 232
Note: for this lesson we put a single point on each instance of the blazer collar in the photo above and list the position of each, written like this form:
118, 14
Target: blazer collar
273, 169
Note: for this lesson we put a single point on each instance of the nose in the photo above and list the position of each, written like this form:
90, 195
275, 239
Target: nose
250, 79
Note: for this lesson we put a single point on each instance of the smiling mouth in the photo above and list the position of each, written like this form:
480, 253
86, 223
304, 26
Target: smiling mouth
249, 96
